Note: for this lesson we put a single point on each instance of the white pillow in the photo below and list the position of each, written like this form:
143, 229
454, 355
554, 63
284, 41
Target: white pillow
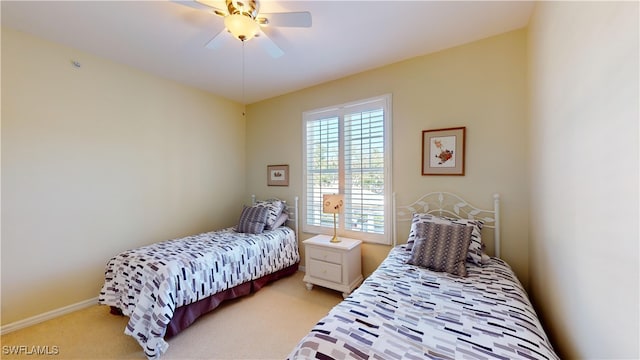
279, 222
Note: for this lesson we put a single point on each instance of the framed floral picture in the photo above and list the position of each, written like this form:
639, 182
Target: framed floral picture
278, 175
443, 151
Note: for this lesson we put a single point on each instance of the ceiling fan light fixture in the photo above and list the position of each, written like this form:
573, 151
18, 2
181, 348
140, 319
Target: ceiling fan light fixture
241, 27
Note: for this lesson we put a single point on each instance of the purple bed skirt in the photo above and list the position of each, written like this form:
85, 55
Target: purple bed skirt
186, 315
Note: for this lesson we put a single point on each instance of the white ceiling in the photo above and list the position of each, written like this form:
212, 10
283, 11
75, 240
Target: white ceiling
167, 39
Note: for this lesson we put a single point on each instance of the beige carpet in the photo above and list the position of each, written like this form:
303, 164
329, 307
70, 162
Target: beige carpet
264, 325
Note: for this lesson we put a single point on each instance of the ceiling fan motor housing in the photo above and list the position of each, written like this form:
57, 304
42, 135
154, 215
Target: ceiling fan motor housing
247, 8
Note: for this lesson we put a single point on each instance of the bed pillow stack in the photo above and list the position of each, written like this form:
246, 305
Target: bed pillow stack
276, 216
475, 254
264, 215
441, 247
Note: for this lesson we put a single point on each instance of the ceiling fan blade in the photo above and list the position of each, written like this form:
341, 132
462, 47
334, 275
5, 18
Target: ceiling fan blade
201, 5
288, 19
219, 40
272, 48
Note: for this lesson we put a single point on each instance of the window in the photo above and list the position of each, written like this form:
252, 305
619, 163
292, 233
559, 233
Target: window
347, 150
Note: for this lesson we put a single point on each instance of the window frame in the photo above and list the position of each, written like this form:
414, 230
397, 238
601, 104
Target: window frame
341, 111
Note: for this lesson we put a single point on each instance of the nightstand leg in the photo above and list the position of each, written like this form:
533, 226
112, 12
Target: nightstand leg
345, 295
309, 286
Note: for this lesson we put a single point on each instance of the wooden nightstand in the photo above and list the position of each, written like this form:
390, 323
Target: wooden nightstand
336, 266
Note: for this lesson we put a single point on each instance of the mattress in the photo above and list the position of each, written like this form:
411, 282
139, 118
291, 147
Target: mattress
406, 312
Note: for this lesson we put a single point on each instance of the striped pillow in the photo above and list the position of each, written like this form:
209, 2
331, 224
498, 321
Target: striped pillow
476, 248
252, 220
274, 209
441, 247
476, 252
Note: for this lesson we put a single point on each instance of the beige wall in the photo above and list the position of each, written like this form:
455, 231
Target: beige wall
480, 85
100, 159
584, 176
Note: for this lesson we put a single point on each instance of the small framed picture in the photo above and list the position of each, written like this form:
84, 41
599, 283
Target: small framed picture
278, 175
443, 151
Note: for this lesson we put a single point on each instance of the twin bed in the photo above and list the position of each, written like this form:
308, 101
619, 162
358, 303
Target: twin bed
472, 307
407, 311
164, 287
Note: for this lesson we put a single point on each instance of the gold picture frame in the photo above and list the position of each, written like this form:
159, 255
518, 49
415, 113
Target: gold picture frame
278, 175
443, 151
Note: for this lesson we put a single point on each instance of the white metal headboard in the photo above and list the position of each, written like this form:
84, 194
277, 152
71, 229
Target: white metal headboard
449, 205
293, 212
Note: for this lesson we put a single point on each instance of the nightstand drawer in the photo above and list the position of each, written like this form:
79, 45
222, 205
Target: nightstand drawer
324, 255
325, 271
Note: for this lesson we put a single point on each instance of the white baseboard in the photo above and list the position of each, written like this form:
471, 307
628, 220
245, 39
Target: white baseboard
47, 316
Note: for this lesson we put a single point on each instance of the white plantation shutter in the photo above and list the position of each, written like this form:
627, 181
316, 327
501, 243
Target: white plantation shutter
347, 150
322, 165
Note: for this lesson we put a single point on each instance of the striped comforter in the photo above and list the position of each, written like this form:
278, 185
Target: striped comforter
148, 283
405, 312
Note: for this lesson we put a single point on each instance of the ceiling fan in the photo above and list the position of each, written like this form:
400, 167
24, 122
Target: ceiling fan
243, 21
